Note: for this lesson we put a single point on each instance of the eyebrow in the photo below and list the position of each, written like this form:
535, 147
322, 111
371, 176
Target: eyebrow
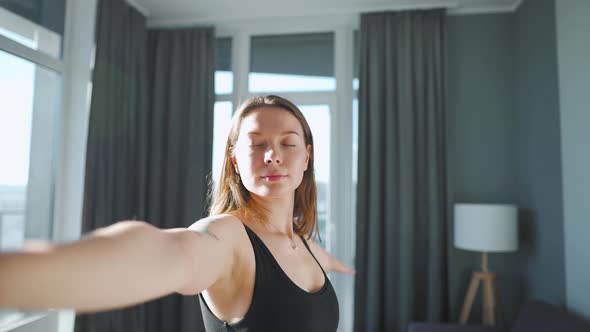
284, 133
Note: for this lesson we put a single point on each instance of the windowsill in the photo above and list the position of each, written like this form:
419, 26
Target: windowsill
20, 318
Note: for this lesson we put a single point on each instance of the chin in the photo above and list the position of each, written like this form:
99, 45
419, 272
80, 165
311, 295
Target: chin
273, 192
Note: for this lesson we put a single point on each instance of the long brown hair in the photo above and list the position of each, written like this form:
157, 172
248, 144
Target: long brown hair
232, 197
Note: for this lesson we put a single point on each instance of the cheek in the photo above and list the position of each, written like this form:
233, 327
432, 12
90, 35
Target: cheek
298, 160
247, 162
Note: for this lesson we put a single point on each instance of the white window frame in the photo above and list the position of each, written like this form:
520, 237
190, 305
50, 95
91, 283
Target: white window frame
340, 193
39, 192
74, 69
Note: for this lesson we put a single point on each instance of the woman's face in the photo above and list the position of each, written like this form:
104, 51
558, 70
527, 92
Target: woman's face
270, 154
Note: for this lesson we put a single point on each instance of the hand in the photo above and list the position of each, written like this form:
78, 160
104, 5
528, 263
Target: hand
342, 268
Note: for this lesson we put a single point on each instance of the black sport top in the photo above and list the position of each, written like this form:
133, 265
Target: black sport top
278, 304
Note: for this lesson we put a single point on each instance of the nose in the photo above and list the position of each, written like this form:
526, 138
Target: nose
271, 156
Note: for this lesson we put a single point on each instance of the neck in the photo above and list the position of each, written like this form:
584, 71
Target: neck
279, 216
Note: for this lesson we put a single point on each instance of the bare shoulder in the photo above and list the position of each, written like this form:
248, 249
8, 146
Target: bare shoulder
211, 247
223, 227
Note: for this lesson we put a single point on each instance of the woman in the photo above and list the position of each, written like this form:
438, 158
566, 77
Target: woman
249, 261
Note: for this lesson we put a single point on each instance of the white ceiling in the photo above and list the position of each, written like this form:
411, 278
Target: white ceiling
175, 12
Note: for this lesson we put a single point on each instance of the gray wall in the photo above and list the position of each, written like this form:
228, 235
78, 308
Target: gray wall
538, 152
573, 30
481, 135
504, 147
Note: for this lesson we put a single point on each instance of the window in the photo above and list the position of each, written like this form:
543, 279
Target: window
301, 67
38, 25
296, 66
290, 63
221, 125
30, 104
223, 74
30, 98
318, 118
223, 108
356, 62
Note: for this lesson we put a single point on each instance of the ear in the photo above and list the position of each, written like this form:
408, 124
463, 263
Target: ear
308, 148
234, 163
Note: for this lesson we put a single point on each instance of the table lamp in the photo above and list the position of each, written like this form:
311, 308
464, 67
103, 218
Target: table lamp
484, 228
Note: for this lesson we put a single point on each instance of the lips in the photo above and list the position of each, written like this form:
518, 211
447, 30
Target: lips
274, 177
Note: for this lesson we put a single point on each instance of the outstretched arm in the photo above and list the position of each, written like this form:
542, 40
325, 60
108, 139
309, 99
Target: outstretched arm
124, 264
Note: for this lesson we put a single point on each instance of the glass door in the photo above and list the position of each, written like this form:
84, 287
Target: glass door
318, 118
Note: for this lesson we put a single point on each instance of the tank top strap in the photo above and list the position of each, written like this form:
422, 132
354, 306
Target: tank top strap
262, 256
251, 235
257, 243
312, 255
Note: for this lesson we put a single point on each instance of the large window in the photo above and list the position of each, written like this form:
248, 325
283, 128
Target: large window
31, 68
38, 25
224, 77
318, 117
223, 109
302, 67
289, 63
295, 66
221, 124
30, 102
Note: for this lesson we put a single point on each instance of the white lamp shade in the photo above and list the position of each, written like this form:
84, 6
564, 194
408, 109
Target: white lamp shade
486, 227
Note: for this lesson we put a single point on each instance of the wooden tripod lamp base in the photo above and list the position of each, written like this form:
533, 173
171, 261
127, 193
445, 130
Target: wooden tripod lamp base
489, 304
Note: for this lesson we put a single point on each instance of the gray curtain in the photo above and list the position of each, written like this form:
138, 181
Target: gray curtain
181, 83
401, 254
149, 145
